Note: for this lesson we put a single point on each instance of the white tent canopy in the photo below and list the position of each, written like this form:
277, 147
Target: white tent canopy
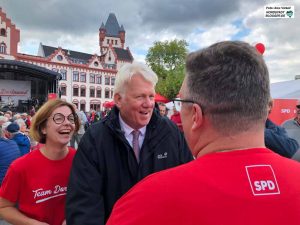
286, 90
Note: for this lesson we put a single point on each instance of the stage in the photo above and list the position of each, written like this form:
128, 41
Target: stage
23, 85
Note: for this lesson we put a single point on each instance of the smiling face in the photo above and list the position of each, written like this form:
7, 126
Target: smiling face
59, 133
137, 103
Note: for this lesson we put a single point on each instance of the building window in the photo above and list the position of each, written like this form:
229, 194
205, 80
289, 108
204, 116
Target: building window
106, 80
3, 48
116, 42
99, 93
75, 91
82, 77
59, 58
92, 93
107, 93
63, 90
112, 41
95, 106
112, 80
98, 79
3, 32
96, 64
75, 76
82, 107
63, 74
112, 92
92, 78
107, 41
82, 91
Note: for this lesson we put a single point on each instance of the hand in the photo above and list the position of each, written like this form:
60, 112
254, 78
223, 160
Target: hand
64, 222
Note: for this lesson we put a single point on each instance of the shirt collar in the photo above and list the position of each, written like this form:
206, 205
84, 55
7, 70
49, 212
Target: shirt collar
127, 129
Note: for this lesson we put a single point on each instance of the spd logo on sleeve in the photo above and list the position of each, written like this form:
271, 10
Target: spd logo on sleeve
262, 180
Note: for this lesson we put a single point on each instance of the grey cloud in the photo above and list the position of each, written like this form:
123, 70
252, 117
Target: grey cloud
85, 16
74, 24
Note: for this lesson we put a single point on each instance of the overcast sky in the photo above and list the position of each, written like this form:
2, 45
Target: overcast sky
75, 24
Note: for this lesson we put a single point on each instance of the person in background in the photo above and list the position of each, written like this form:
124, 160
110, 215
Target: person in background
235, 179
131, 142
34, 188
32, 111
83, 120
13, 132
176, 118
292, 126
8, 115
26, 119
16, 117
4, 129
277, 139
9, 151
22, 125
162, 109
3, 120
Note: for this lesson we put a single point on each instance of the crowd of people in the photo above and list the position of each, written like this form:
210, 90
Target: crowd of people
216, 159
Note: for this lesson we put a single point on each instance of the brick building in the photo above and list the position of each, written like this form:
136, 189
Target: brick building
86, 79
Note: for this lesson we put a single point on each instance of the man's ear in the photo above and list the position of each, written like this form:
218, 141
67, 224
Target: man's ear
117, 99
197, 117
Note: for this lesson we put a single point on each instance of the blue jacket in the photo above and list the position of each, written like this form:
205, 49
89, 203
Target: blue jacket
9, 151
277, 140
23, 142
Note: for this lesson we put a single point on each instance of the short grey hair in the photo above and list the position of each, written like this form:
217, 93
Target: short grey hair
5, 125
3, 119
230, 80
16, 116
126, 72
20, 122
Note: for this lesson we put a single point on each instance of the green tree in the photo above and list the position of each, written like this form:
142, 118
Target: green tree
167, 60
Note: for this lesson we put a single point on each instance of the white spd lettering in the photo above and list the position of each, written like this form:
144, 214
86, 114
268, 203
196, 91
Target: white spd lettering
40, 192
285, 110
59, 189
264, 185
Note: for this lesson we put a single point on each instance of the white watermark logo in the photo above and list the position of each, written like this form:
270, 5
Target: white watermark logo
285, 12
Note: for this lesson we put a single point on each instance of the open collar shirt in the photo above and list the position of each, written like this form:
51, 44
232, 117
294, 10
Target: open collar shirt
128, 132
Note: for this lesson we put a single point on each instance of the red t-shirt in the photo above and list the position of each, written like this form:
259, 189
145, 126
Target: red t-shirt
242, 187
39, 186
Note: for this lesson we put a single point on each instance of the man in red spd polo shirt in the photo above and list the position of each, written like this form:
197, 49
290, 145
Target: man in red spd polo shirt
235, 179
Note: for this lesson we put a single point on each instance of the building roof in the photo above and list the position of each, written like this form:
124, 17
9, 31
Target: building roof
123, 54
76, 57
112, 26
83, 58
102, 26
28, 68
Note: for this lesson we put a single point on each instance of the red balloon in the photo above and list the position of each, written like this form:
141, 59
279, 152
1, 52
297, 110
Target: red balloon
260, 48
52, 96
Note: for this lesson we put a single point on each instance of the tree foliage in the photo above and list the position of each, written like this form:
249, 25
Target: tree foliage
167, 60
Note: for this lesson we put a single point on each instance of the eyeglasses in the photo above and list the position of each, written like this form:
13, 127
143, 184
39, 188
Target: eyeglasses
178, 103
59, 118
